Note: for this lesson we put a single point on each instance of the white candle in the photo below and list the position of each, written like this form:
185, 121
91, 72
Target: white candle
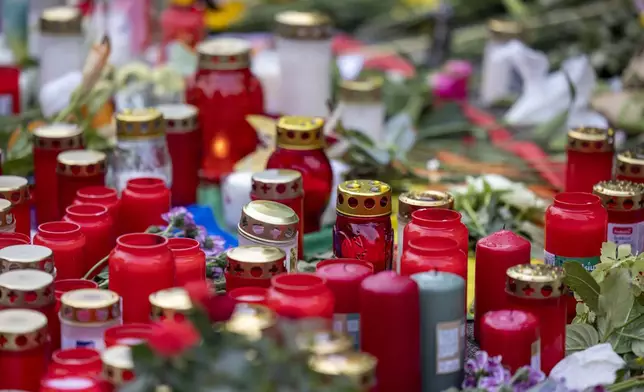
362, 107
266, 68
235, 189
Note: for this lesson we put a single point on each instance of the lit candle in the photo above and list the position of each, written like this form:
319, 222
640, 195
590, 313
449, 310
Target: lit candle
514, 335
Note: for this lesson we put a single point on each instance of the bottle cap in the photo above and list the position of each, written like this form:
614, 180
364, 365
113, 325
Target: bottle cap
169, 304
590, 140
252, 321
362, 91
364, 198
81, 163
303, 25
359, 367
58, 137
269, 221
118, 366
14, 188
139, 124
277, 184
300, 133
409, 202
255, 262
504, 30
6, 216
26, 288
536, 281
631, 163
61, 21
224, 54
620, 195
21, 257
179, 118
22, 329
90, 306
323, 342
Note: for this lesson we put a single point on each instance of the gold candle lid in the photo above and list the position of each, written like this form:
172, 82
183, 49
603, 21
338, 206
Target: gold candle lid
620, 195
277, 184
504, 30
255, 261
303, 25
224, 54
118, 366
139, 124
631, 163
323, 342
61, 21
537, 281
14, 188
367, 90
26, 288
59, 136
359, 367
169, 304
590, 140
81, 163
251, 320
365, 198
300, 133
270, 221
20, 257
409, 202
179, 118
22, 329
90, 306
6, 216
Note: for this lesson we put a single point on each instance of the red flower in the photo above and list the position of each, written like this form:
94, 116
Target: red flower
173, 338
199, 292
218, 307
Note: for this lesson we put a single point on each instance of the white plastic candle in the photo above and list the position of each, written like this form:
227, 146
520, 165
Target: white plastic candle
266, 68
362, 107
235, 189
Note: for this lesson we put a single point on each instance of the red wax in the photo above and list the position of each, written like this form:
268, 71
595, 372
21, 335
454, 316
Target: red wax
442, 254
584, 170
186, 161
128, 334
189, 260
69, 383
249, 295
97, 226
364, 238
494, 255
68, 186
143, 202
300, 296
67, 242
438, 222
139, 265
390, 325
514, 335
100, 195
181, 25
75, 362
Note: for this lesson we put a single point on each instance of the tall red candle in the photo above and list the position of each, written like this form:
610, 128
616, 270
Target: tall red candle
433, 254
100, 195
143, 202
253, 265
494, 255
189, 260
589, 158
77, 170
438, 222
514, 335
97, 226
16, 190
630, 166
390, 325
67, 242
344, 277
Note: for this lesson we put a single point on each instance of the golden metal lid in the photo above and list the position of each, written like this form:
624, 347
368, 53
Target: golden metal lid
590, 140
255, 261
300, 133
251, 320
277, 184
81, 163
90, 306
118, 365
20, 257
364, 198
169, 304
6, 215
59, 136
409, 202
359, 367
631, 163
22, 329
367, 90
270, 221
303, 25
14, 188
180, 117
61, 21
620, 195
323, 342
504, 30
224, 54
139, 124
537, 281
27, 288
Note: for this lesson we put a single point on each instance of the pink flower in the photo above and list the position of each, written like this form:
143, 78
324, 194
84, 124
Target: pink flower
447, 87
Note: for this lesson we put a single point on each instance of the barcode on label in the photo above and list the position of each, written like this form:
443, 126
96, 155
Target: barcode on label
6, 105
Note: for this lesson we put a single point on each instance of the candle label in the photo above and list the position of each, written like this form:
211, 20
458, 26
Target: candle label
589, 263
450, 344
535, 358
627, 234
348, 323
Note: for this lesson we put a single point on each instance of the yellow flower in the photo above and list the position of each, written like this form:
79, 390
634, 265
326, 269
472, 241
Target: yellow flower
227, 14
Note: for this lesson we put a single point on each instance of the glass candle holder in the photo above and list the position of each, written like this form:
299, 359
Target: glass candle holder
253, 265
357, 367
118, 367
437, 222
323, 342
433, 254
363, 109
84, 362
7, 219
102, 195
49, 141
24, 355
589, 158
285, 187
306, 85
139, 265
77, 170
146, 199
253, 321
249, 295
300, 146
363, 226
67, 242
23, 256
630, 165
514, 335
189, 260
624, 203
267, 223
169, 304
16, 190
69, 384
97, 226
128, 334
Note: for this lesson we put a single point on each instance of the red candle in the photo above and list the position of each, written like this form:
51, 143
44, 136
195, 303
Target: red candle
67, 242
143, 202
343, 277
69, 383
77, 170
16, 190
494, 255
23, 256
100, 195
253, 265
49, 141
624, 203
97, 226
24, 239
139, 265
433, 254
118, 367
630, 166
75, 362
589, 158
189, 260
514, 335
128, 334
249, 295
390, 325
437, 222
25, 352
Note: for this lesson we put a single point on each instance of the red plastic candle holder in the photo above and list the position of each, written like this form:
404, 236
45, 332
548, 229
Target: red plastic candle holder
253, 265
249, 295
84, 362
514, 335
67, 242
10, 239
70, 383
102, 195
128, 334
189, 260
143, 202
16, 190
77, 170
97, 226
589, 158
442, 254
437, 222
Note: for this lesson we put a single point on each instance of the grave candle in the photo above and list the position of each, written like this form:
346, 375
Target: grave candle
514, 335
630, 165
589, 158
16, 190
169, 304
253, 265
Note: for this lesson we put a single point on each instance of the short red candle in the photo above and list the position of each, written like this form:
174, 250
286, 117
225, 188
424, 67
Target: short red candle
589, 158
97, 226
75, 362
494, 255
69, 383
77, 170
189, 260
16, 190
424, 254
249, 295
439, 222
253, 265
128, 334
630, 166
67, 242
100, 195
143, 202
301, 296
512, 334
139, 265
344, 277
390, 325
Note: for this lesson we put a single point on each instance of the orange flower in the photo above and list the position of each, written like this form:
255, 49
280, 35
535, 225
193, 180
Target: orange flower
172, 338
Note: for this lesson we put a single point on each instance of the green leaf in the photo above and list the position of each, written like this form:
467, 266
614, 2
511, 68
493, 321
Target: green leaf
582, 283
616, 299
580, 336
608, 252
638, 348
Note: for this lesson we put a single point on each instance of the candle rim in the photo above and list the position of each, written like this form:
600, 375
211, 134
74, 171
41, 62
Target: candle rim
421, 244
145, 183
435, 217
97, 192
183, 246
136, 241
74, 284
86, 210
76, 356
238, 292
576, 200
59, 229
511, 322
333, 272
487, 241
128, 331
298, 283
